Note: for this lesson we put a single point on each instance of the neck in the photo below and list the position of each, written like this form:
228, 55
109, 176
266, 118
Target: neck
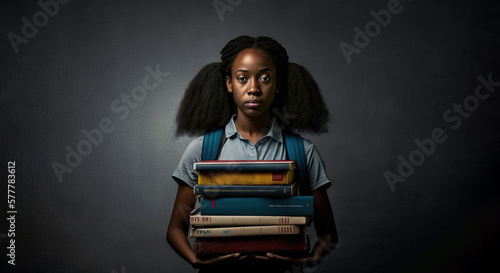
253, 126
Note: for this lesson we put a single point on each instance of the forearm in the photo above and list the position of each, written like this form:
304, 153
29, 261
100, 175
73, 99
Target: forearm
178, 240
179, 223
324, 246
324, 224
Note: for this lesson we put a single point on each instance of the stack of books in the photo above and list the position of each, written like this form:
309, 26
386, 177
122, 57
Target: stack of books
249, 207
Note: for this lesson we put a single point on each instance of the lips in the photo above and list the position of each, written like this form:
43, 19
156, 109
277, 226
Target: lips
253, 103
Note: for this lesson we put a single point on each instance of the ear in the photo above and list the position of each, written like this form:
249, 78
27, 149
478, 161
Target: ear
229, 85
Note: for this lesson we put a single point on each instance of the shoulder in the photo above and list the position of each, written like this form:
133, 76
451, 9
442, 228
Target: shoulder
196, 142
313, 156
184, 171
317, 170
308, 145
194, 149
310, 149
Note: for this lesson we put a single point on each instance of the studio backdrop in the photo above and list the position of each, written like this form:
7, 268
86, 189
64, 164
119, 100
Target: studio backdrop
90, 92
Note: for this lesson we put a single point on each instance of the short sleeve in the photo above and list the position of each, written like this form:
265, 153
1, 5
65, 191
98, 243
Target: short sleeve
184, 171
315, 166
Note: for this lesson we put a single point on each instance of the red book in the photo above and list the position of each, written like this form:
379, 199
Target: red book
280, 244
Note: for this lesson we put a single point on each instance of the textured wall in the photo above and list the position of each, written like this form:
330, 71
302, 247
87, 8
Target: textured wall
79, 77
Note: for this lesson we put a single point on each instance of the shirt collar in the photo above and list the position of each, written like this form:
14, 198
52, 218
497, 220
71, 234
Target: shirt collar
275, 131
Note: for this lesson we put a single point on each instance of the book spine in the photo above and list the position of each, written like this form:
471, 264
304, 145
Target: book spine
275, 244
244, 231
217, 191
287, 206
234, 167
248, 178
237, 220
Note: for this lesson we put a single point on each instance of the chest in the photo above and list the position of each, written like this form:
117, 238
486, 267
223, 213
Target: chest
242, 149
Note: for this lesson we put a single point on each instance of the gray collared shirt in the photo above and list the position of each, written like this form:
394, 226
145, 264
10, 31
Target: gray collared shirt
269, 147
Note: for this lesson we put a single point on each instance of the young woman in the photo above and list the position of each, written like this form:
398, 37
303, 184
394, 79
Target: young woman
256, 95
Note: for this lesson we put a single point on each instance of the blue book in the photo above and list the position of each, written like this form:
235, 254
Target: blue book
288, 206
218, 191
235, 166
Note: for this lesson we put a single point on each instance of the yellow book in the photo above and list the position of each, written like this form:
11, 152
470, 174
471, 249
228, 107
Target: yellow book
245, 178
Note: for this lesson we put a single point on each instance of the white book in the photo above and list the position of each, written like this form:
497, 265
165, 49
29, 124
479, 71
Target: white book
197, 219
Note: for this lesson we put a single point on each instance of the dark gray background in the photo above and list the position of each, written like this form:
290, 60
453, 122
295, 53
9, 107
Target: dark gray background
111, 213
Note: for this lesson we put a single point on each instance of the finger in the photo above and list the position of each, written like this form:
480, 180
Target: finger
243, 257
230, 256
219, 259
273, 256
233, 255
276, 256
262, 258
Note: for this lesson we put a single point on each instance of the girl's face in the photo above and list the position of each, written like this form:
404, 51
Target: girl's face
253, 82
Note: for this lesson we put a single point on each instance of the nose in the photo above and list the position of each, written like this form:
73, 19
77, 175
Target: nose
253, 88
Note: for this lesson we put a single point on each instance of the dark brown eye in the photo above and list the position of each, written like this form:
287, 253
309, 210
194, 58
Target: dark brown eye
265, 78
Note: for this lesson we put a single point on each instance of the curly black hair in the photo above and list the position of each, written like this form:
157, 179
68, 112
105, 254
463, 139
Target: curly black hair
207, 105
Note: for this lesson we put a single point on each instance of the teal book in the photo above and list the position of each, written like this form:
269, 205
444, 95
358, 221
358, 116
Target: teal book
288, 206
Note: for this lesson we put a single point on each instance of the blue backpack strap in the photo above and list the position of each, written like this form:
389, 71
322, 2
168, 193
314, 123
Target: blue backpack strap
295, 149
211, 144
